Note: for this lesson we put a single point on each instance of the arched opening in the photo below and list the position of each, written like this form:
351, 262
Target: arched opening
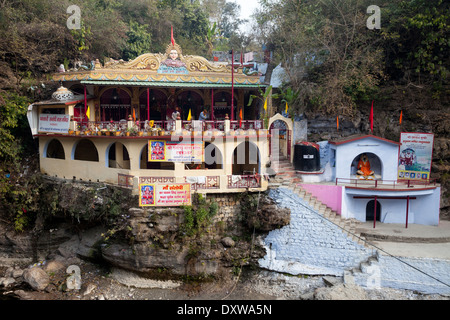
222, 105
190, 100
115, 104
157, 100
212, 159
54, 150
117, 156
371, 163
370, 210
279, 130
85, 150
246, 159
153, 165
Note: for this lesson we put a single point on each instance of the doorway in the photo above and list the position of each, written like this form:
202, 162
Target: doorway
370, 210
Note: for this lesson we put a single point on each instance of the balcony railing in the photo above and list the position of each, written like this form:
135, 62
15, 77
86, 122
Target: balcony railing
362, 183
244, 181
159, 127
204, 183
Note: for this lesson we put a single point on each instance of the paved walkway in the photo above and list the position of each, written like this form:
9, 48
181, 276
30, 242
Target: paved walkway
417, 241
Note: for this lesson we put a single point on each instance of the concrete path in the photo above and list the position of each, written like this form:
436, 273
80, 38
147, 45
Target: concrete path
416, 241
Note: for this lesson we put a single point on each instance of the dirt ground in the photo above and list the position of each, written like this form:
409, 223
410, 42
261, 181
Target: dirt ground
99, 283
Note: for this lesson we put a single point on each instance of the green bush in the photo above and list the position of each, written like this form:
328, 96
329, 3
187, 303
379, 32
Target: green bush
198, 216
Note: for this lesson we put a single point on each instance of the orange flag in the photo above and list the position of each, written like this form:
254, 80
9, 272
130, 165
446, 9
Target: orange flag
240, 117
134, 114
337, 123
401, 116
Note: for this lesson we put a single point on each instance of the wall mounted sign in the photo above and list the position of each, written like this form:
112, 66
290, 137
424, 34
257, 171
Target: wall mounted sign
175, 151
54, 123
171, 194
415, 156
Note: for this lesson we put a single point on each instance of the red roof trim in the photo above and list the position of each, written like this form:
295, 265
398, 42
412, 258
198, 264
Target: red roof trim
363, 137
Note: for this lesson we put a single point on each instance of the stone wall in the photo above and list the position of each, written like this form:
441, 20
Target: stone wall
229, 207
403, 273
310, 244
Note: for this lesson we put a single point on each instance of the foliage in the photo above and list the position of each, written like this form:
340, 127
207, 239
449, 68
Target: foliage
288, 96
263, 96
13, 108
249, 210
139, 41
198, 216
336, 62
417, 40
211, 36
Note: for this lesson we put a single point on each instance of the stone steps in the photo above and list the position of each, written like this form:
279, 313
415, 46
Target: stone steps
348, 226
286, 175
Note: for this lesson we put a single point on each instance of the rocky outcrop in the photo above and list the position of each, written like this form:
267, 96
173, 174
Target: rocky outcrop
263, 214
158, 241
37, 278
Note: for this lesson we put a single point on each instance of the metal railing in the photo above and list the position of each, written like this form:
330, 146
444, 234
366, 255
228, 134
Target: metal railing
363, 183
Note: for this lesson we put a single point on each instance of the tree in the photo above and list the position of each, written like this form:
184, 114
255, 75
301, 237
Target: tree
287, 96
326, 50
139, 41
416, 41
211, 36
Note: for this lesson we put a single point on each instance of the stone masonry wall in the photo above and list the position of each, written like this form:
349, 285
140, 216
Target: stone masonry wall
310, 244
403, 273
229, 206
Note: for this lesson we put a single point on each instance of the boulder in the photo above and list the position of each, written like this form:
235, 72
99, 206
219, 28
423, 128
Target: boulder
227, 242
6, 282
37, 278
17, 273
54, 266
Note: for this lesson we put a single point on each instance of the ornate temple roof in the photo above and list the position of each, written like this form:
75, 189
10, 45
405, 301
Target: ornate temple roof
169, 69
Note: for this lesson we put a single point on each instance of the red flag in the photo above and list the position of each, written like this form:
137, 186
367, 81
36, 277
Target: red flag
240, 117
401, 116
371, 117
171, 35
242, 59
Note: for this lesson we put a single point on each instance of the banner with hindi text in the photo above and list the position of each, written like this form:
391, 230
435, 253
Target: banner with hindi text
415, 156
170, 194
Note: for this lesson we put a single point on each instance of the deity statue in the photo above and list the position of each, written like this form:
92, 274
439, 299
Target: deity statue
174, 53
363, 168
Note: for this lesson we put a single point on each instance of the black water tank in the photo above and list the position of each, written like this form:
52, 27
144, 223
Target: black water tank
307, 157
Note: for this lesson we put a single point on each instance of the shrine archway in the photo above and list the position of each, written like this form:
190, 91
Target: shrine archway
281, 130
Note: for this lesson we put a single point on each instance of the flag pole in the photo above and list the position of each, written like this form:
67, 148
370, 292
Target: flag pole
148, 104
85, 103
212, 104
371, 118
232, 85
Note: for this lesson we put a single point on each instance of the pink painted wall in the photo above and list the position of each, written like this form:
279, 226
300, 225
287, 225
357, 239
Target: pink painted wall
330, 195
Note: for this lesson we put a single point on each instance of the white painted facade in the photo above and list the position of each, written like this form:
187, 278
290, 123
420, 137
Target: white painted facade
339, 161
382, 153
423, 205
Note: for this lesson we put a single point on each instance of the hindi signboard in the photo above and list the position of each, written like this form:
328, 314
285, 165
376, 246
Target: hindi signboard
175, 151
416, 152
171, 194
54, 123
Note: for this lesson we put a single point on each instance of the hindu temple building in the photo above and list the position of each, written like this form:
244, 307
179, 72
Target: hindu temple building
160, 118
165, 121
